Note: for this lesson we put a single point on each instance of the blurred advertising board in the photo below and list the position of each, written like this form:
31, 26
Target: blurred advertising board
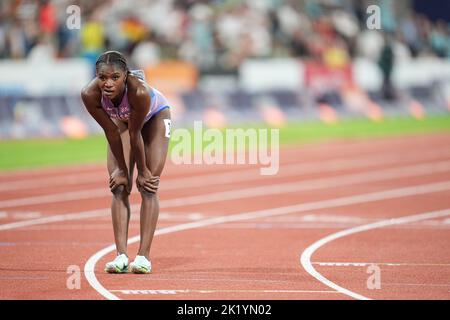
271, 74
172, 76
39, 79
319, 77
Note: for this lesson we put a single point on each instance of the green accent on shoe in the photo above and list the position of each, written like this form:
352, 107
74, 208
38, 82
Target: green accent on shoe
140, 270
117, 270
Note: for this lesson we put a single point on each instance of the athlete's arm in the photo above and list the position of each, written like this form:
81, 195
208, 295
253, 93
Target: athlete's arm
91, 99
140, 104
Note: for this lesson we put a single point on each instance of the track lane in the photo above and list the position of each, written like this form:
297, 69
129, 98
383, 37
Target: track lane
104, 235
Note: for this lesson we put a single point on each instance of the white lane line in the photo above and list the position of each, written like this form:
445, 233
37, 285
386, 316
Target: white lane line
416, 284
377, 175
53, 243
237, 225
55, 218
45, 171
366, 264
313, 184
215, 280
232, 177
305, 258
89, 268
9, 278
177, 291
59, 197
68, 179
298, 226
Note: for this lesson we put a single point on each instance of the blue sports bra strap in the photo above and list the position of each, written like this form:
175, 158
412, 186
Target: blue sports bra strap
138, 73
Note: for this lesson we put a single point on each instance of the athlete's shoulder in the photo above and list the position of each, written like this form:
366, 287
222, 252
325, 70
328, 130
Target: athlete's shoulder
91, 88
137, 87
90, 91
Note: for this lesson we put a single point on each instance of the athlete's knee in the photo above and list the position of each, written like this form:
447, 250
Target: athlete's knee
119, 192
148, 194
151, 188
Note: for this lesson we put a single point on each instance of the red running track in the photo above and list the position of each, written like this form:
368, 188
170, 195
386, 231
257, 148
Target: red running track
321, 228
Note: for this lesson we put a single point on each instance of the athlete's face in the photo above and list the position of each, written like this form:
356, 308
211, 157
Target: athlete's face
111, 80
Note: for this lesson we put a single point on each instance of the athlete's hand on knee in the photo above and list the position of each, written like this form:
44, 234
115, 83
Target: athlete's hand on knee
146, 182
117, 178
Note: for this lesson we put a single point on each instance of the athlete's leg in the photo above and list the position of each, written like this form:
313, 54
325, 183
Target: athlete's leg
156, 140
120, 206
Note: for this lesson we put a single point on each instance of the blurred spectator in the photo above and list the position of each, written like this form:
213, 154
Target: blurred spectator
145, 53
47, 18
440, 40
298, 44
92, 38
16, 40
410, 33
386, 64
43, 51
200, 33
369, 44
336, 55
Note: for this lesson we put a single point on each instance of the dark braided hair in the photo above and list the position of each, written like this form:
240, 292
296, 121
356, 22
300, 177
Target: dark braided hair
113, 57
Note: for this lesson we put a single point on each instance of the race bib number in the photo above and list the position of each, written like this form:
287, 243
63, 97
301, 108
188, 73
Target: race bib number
167, 124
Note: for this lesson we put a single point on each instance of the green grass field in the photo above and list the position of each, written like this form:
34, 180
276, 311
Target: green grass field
54, 152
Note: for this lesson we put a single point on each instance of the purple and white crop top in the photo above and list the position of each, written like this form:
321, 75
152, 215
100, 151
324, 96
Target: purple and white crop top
157, 102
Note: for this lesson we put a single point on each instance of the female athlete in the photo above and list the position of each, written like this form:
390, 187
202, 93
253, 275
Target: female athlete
136, 120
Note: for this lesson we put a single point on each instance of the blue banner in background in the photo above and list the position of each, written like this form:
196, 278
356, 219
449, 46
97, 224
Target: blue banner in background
433, 9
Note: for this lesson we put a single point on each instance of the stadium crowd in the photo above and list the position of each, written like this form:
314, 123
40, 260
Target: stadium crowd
217, 34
